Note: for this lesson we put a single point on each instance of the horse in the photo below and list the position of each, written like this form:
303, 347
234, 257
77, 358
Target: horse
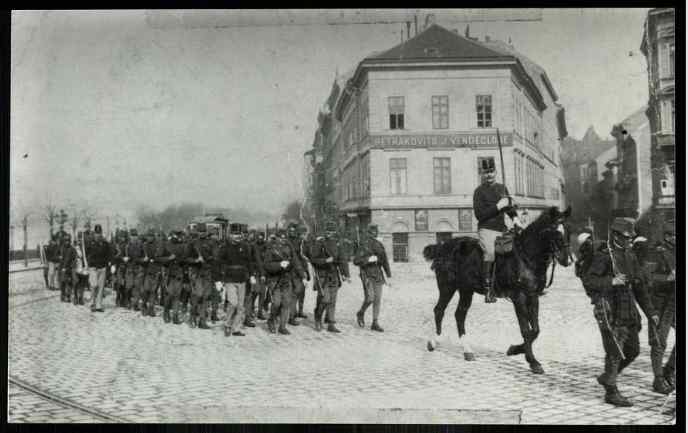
520, 276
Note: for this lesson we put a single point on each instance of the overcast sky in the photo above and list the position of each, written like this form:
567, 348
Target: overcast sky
117, 112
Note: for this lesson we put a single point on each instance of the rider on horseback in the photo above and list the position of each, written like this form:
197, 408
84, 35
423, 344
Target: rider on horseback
491, 201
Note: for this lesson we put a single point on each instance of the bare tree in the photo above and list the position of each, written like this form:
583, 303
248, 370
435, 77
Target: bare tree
51, 216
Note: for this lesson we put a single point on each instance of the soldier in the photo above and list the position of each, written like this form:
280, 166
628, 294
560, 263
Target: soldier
299, 295
491, 201
371, 259
98, 254
119, 277
236, 270
67, 268
613, 281
159, 258
201, 277
257, 290
663, 289
279, 261
52, 255
135, 259
81, 275
177, 271
328, 260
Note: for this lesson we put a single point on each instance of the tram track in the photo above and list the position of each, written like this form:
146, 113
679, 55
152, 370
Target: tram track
49, 396
64, 402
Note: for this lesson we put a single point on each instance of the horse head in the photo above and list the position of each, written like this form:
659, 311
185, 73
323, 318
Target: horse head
558, 233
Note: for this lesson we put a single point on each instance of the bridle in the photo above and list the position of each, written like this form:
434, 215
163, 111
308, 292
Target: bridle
555, 249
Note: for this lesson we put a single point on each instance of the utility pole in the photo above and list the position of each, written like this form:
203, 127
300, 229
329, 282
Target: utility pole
25, 225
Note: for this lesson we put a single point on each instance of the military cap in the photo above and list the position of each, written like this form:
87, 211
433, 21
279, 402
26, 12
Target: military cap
133, 232
584, 236
487, 165
98, 229
292, 226
281, 232
625, 226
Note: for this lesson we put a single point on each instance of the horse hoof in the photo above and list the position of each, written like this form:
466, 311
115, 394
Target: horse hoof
513, 350
469, 356
537, 369
430, 347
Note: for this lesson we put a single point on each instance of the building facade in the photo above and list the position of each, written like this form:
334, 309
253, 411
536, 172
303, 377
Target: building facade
658, 46
416, 122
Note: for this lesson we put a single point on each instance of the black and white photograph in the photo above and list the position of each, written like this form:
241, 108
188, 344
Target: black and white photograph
343, 216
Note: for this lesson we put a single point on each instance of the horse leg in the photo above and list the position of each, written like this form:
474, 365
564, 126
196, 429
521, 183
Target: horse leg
465, 300
532, 308
446, 294
522, 314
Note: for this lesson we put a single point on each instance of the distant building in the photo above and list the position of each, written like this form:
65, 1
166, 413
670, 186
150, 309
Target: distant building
584, 164
400, 142
658, 46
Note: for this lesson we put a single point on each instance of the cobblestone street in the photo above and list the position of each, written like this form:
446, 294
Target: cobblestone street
140, 369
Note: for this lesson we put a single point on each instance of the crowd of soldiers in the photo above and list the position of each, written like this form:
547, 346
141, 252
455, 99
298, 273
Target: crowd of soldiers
193, 275
618, 273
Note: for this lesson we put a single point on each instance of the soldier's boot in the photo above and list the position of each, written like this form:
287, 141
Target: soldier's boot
228, 331
487, 283
166, 315
260, 315
376, 327
360, 319
176, 319
283, 330
661, 385
202, 324
300, 313
249, 323
332, 328
614, 397
213, 315
293, 321
271, 325
151, 307
670, 376
75, 296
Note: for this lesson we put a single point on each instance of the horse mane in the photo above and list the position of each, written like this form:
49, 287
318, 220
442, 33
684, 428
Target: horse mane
544, 220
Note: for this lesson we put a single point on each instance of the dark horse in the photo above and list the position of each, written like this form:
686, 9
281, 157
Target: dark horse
520, 276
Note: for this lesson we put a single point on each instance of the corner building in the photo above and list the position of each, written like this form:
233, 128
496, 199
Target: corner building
415, 123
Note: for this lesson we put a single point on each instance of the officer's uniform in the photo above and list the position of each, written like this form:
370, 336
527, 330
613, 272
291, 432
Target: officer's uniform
327, 278
372, 276
236, 266
280, 280
119, 279
52, 255
617, 302
490, 222
98, 253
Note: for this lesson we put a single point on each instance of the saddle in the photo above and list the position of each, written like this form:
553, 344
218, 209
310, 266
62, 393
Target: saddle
504, 245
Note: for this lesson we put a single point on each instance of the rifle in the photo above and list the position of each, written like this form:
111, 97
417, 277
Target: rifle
603, 319
83, 250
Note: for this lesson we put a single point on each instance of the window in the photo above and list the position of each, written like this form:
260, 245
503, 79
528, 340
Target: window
440, 112
518, 170
466, 220
421, 220
668, 114
442, 175
673, 116
400, 247
396, 112
667, 187
397, 175
671, 60
483, 107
